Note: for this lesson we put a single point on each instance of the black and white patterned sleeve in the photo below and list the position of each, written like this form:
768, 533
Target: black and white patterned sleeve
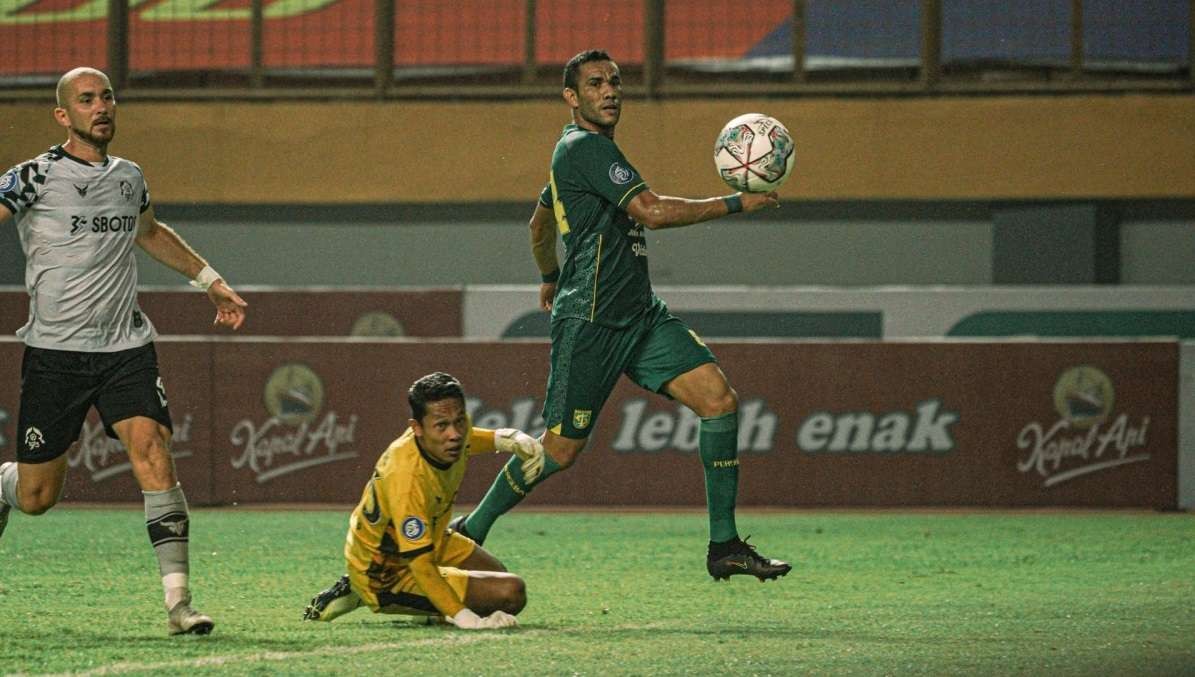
21, 185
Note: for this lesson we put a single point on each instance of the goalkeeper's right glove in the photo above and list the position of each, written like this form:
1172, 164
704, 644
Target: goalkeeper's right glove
465, 619
526, 447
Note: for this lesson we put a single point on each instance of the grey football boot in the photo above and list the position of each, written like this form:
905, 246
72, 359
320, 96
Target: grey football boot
183, 620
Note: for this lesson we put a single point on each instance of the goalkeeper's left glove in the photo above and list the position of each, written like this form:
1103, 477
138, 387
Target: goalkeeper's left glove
524, 446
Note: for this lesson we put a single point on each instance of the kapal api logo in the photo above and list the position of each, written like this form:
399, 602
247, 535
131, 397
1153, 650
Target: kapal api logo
294, 393
294, 437
1087, 437
377, 323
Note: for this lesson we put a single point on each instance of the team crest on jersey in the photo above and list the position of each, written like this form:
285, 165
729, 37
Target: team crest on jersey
8, 181
33, 438
620, 174
126, 191
413, 528
581, 418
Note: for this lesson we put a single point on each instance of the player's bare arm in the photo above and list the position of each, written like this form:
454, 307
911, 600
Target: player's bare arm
166, 246
662, 211
437, 591
543, 248
4, 213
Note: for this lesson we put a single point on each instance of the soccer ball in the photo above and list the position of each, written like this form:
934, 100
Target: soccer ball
754, 153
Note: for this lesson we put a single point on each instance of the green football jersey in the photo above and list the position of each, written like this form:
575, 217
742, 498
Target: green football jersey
604, 276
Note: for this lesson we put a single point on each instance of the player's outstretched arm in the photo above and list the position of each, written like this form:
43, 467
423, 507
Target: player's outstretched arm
168, 247
543, 248
663, 211
510, 441
443, 597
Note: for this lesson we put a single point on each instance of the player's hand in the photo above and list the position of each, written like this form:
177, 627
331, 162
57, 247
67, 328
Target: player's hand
499, 620
230, 308
526, 447
465, 619
753, 202
547, 292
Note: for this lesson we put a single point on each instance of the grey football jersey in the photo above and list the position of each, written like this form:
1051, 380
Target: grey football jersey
77, 223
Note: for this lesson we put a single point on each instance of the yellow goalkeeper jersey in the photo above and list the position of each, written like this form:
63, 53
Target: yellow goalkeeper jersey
406, 506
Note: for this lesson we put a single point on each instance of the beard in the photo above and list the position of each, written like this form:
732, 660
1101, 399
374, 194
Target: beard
100, 142
596, 118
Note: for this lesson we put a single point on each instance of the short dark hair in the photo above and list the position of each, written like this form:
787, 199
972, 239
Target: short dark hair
574, 65
433, 388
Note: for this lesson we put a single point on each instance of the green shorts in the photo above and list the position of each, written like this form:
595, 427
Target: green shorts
587, 360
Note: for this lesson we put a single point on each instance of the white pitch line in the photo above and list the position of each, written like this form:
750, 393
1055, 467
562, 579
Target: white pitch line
266, 656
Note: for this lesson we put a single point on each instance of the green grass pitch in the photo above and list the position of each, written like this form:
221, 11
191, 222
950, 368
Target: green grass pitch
919, 593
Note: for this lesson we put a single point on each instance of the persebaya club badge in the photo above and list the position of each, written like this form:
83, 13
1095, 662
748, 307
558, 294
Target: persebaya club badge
581, 418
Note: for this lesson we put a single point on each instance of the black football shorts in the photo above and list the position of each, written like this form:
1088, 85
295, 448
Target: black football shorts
59, 386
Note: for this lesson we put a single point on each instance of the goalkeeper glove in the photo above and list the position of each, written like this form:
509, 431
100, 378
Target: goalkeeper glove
465, 619
526, 447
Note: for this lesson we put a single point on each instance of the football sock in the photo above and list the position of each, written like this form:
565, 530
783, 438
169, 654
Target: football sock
508, 489
718, 444
8, 485
169, 526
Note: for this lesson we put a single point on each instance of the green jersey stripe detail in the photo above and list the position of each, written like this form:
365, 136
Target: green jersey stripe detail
597, 269
558, 206
629, 191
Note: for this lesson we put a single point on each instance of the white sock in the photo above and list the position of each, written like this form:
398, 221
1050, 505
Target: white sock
175, 586
8, 485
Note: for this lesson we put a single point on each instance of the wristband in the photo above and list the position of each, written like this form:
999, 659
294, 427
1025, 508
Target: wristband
206, 278
734, 203
551, 277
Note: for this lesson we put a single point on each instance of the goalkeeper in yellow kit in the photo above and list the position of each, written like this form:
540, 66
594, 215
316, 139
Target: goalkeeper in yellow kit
400, 557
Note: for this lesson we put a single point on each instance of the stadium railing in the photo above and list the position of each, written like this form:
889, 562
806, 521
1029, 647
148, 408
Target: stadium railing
514, 48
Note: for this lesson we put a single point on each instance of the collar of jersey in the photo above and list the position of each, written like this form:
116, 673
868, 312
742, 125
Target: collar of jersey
61, 152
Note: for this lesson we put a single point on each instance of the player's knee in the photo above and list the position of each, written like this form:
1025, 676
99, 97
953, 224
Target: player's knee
514, 596
725, 401
564, 458
38, 499
563, 450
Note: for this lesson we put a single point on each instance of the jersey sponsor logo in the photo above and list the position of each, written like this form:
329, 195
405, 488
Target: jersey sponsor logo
621, 175
8, 181
82, 190
413, 528
126, 190
116, 223
581, 418
33, 438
